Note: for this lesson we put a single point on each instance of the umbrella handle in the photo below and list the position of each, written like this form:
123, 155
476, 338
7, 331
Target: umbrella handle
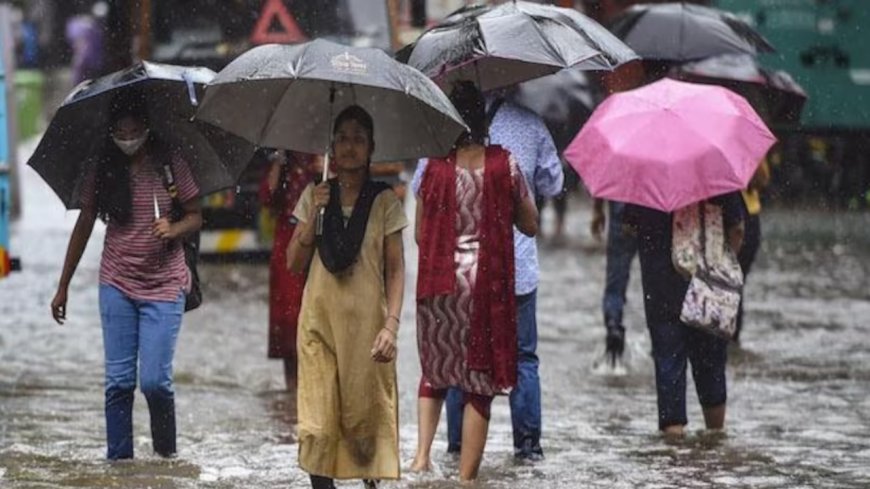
318, 228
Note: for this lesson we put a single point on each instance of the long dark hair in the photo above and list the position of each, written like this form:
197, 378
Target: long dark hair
471, 105
113, 197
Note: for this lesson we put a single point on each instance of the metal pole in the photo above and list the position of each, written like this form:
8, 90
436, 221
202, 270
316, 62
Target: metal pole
318, 229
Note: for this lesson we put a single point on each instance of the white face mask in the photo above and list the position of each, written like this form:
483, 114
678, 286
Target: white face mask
131, 146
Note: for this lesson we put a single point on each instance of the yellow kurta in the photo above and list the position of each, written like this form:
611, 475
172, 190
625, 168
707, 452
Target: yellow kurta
348, 403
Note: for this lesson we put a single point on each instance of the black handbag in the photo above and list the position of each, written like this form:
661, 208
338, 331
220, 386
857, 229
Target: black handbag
190, 243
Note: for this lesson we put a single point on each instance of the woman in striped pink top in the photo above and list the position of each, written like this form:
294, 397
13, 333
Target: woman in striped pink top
143, 275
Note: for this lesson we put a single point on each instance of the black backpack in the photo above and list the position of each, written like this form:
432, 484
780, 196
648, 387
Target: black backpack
190, 244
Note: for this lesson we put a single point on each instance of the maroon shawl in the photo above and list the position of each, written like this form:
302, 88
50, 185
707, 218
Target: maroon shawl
492, 340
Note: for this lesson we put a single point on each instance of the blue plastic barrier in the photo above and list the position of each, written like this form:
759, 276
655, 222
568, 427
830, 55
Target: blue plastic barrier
5, 198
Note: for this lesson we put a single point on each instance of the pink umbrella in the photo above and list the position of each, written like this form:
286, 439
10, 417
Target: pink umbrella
669, 144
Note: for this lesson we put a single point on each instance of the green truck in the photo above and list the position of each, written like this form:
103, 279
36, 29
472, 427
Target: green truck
824, 45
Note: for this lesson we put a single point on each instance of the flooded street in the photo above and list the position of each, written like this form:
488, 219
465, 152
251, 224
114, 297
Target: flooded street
799, 388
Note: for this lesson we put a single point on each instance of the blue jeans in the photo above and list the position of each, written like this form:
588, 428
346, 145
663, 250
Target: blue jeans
674, 344
143, 333
525, 398
621, 249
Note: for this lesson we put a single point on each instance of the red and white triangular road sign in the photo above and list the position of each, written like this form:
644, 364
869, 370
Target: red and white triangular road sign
289, 33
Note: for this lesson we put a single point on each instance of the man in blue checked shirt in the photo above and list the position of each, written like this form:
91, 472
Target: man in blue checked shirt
525, 135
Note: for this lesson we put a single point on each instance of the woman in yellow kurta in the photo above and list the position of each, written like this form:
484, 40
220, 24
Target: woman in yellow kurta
347, 399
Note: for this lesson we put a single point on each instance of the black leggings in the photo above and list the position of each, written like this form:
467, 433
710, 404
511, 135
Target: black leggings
320, 482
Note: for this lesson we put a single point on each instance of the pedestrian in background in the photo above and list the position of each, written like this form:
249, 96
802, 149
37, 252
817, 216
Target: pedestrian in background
466, 308
143, 274
560, 202
85, 35
289, 173
674, 343
351, 308
621, 249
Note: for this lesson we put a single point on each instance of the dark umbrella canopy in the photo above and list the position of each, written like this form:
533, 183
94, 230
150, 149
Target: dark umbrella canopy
75, 137
685, 32
286, 97
775, 94
500, 46
564, 101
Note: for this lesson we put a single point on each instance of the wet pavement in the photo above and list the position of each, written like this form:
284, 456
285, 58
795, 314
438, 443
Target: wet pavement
799, 387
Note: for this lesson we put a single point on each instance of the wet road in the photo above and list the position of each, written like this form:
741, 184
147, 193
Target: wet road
799, 407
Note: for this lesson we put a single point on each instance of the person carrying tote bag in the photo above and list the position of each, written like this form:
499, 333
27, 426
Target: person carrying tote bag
700, 251
666, 281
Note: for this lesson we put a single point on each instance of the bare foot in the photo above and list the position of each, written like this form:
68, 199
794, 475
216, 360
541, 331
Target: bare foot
673, 433
421, 464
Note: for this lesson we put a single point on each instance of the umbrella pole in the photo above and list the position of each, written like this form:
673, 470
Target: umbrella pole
318, 230
318, 227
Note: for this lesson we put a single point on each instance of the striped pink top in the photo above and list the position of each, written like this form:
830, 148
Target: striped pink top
139, 264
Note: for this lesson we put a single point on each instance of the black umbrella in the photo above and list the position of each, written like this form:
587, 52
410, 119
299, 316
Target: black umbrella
500, 46
773, 93
73, 141
685, 32
564, 100
281, 96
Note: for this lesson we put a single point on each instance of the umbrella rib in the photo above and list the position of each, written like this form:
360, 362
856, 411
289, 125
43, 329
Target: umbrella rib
274, 110
569, 23
712, 146
549, 44
483, 40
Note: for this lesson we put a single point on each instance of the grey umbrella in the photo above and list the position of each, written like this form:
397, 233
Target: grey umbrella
678, 31
774, 94
287, 97
500, 46
74, 139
